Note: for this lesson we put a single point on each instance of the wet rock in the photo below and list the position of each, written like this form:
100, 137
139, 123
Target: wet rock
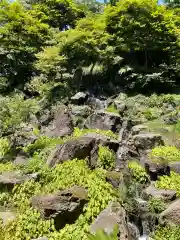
133, 230
163, 194
10, 179
64, 206
77, 148
61, 125
145, 141
79, 98
139, 129
7, 216
109, 218
104, 121
172, 214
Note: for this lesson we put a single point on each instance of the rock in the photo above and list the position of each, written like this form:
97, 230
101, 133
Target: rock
81, 111
104, 140
170, 120
96, 103
142, 205
172, 214
164, 194
77, 148
120, 106
145, 141
175, 166
154, 170
61, 125
79, 98
10, 179
64, 206
139, 129
40, 238
109, 218
7, 216
104, 121
114, 178
134, 232
21, 159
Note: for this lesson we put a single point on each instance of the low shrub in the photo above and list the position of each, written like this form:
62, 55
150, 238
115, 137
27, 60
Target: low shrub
169, 182
156, 205
106, 157
112, 109
165, 154
167, 233
138, 172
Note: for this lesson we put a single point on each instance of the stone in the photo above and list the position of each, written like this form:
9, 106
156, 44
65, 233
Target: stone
134, 232
164, 194
104, 121
79, 98
64, 206
139, 129
10, 179
154, 170
175, 166
142, 205
171, 215
61, 125
21, 159
145, 141
120, 106
7, 216
81, 111
110, 217
96, 103
80, 148
114, 178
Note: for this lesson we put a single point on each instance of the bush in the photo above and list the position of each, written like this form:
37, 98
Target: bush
4, 147
156, 205
169, 182
106, 157
138, 172
165, 154
28, 223
101, 235
167, 233
112, 109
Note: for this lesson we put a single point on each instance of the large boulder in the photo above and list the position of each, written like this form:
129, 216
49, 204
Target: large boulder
110, 217
175, 166
164, 194
104, 121
81, 111
154, 170
61, 125
79, 98
9, 179
80, 148
64, 206
172, 214
145, 141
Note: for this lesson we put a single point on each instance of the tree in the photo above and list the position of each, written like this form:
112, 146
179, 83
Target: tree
173, 3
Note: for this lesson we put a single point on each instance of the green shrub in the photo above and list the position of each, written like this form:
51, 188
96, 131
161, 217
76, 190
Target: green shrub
28, 223
167, 233
165, 154
80, 132
112, 109
4, 147
138, 172
106, 157
156, 205
6, 167
169, 182
101, 235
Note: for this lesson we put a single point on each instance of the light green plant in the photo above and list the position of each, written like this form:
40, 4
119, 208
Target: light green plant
167, 233
101, 235
80, 132
112, 109
165, 154
4, 147
156, 205
106, 157
138, 172
8, 166
169, 182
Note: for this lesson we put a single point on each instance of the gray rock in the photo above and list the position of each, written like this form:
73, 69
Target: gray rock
104, 120
172, 214
133, 230
145, 141
61, 125
109, 218
120, 106
78, 148
138, 129
7, 216
175, 166
164, 194
79, 98
64, 206
142, 205
10, 179
81, 111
